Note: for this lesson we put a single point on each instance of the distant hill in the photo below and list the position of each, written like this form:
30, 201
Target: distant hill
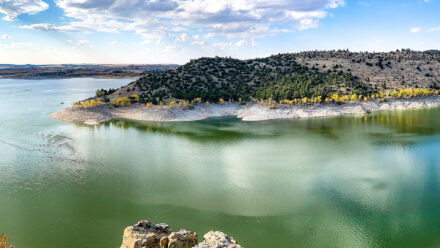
289, 76
80, 70
399, 69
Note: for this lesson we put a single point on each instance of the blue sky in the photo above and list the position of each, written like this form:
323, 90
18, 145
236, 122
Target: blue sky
175, 31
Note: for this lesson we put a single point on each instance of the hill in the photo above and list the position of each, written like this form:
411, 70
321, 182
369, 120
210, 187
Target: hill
289, 76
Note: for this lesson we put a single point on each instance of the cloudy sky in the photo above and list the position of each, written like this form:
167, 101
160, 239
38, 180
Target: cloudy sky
175, 31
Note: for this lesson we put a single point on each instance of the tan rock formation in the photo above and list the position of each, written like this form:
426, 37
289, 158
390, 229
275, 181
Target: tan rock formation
180, 239
144, 234
216, 239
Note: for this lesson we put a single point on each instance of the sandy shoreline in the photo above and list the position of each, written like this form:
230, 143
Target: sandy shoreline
248, 112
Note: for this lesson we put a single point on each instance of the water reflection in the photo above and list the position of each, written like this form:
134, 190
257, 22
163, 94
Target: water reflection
381, 127
228, 129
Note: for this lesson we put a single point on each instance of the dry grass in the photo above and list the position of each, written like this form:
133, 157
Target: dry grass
5, 241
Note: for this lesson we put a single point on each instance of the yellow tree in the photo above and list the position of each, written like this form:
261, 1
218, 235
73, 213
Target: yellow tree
125, 101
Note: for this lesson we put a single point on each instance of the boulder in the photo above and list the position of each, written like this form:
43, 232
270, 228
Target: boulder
144, 234
180, 239
216, 239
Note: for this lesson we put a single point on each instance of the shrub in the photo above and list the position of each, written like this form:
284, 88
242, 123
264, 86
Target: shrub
5, 241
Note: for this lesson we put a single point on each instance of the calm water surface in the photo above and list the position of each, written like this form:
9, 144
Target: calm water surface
370, 181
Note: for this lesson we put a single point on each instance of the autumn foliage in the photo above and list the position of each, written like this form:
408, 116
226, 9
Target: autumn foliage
5, 241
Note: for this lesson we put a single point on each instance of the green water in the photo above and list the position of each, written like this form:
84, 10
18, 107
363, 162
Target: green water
370, 181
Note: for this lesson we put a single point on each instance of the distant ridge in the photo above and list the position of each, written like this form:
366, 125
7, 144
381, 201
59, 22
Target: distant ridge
81, 70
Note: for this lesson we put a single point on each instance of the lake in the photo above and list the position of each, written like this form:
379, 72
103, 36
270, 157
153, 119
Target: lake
359, 181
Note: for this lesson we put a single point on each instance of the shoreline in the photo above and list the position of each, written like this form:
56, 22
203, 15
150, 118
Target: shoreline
248, 112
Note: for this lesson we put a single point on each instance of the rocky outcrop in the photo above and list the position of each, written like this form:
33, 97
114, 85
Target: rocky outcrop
145, 234
180, 239
216, 239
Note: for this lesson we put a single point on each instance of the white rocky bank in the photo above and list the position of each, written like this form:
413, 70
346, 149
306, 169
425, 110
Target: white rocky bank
248, 112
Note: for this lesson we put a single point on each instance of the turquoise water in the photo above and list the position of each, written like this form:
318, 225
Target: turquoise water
369, 181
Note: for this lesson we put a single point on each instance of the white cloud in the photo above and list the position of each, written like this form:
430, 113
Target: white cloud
198, 43
72, 27
163, 19
183, 37
6, 37
40, 26
113, 43
82, 42
147, 41
335, 3
79, 43
241, 43
13, 8
434, 29
416, 30
18, 45
308, 23
222, 45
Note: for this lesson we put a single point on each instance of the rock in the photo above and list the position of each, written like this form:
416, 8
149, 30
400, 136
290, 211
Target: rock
144, 234
216, 239
180, 239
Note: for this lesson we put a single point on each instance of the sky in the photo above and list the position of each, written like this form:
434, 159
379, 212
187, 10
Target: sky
175, 31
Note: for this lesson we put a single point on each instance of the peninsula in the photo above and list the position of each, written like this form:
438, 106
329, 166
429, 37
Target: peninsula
291, 85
